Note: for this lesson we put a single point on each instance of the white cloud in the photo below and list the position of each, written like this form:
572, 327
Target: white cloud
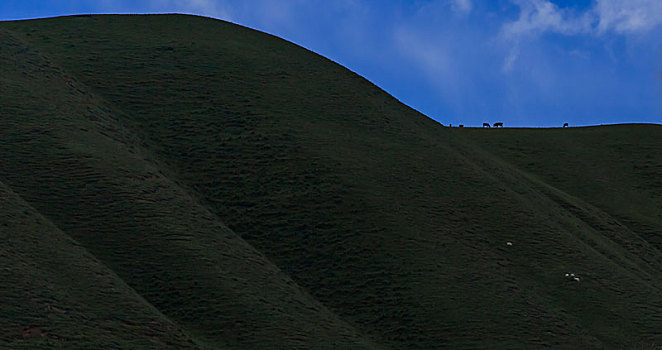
435, 59
429, 54
628, 16
538, 17
621, 16
462, 6
535, 18
512, 56
443, 7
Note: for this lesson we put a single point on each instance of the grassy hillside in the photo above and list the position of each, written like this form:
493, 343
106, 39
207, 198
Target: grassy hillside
54, 293
617, 167
258, 195
68, 153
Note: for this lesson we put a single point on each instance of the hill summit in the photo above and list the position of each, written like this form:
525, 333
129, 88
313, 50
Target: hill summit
171, 181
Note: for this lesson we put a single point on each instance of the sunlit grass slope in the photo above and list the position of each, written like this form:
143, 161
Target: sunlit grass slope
257, 194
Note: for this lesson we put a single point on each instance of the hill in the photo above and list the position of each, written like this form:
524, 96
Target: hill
245, 192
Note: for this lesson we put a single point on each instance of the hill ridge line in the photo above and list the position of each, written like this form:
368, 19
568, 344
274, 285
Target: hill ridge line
145, 150
131, 138
197, 154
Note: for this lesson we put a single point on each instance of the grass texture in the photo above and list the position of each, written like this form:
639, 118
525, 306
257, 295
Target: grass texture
173, 181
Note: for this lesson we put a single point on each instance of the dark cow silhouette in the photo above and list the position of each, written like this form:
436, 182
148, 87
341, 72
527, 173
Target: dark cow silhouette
496, 125
461, 125
486, 125
565, 125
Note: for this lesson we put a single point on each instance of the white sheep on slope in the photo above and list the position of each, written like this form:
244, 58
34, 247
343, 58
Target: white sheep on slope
571, 276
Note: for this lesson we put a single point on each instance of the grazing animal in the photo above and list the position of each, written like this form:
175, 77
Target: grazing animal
572, 277
565, 125
461, 125
509, 243
496, 125
486, 125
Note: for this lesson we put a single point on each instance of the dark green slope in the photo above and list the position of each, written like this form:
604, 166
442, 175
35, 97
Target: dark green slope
395, 224
67, 153
55, 294
618, 168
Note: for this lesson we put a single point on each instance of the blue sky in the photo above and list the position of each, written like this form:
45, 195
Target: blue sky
522, 62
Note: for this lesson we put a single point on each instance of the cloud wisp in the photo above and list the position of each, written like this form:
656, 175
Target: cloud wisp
628, 16
539, 17
463, 7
